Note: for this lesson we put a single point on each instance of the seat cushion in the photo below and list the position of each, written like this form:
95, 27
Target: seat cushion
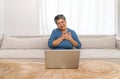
39, 53
22, 53
100, 53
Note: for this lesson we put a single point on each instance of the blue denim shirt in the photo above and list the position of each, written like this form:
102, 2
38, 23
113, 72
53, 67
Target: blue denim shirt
65, 44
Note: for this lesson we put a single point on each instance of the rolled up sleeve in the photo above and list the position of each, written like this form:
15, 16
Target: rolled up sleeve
51, 39
75, 37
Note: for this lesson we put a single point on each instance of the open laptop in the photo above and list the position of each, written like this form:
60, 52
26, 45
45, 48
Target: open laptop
62, 59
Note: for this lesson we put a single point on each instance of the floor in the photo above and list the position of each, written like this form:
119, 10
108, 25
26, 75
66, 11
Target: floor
88, 69
113, 60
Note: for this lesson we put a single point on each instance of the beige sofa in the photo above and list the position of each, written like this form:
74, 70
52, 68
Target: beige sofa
25, 47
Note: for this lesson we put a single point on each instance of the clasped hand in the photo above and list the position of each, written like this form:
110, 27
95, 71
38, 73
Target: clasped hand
66, 36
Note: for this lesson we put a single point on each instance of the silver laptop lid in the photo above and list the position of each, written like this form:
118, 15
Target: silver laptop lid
62, 58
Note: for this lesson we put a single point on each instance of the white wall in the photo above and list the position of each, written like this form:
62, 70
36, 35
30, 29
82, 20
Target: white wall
0, 18
0, 13
119, 17
20, 17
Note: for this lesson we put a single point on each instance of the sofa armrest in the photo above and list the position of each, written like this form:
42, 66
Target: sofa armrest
117, 42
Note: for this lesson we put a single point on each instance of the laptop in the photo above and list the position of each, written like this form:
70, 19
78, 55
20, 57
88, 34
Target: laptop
62, 59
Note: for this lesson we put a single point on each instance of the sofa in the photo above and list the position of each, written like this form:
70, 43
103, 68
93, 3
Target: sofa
33, 47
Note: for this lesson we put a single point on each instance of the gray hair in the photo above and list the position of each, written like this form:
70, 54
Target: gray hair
57, 17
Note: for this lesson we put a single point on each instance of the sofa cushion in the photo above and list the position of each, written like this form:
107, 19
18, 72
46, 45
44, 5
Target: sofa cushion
88, 41
24, 42
98, 41
99, 53
22, 53
39, 53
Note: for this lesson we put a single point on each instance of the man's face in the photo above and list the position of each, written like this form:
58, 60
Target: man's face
61, 24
